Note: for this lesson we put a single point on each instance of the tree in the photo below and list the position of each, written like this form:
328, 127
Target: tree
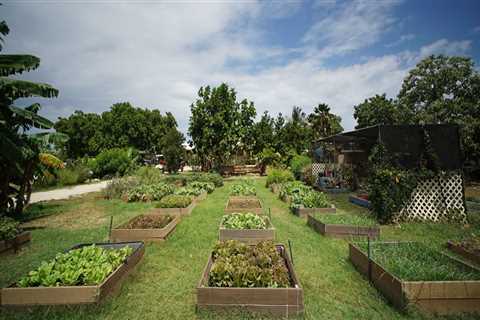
296, 133
263, 133
219, 125
446, 90
324, 123
19, 156
173, 152
377, 110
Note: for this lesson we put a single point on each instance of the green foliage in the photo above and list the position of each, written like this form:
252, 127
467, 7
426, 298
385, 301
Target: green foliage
89, 265
219, 124
291, 188
264, 134
243, 188
377, 110
297, 164
151, 192
307, 175
246, 220
149, 175
174, 201
268, 157
278, 175
120, 186
114, 162
241, 266
214, 178
346, 219
9, 228
173, 150
323, 123
309, 199
411, 261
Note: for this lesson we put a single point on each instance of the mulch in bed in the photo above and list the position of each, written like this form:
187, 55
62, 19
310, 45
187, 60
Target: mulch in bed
244, 203
149, 222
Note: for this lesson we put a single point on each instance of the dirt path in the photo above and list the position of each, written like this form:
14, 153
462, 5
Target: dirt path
66, 193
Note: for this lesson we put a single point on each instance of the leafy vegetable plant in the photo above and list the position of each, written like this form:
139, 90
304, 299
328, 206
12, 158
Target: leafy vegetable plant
246, 220
244, 188
88, 265
148, 192
346, 219
238, 265
9, 228
310, 199
174, 201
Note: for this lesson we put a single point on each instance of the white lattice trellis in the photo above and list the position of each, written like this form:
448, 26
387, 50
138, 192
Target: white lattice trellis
437, 199
320, 167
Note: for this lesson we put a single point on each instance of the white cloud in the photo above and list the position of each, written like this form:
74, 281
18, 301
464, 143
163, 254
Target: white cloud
443, 46
353, 25
404, 38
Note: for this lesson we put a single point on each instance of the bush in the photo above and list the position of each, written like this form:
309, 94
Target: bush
67, 177
149, 175
113, 162
307, 175
9, 228
152, 192
119, 186
174, 201
297, 164
277, 175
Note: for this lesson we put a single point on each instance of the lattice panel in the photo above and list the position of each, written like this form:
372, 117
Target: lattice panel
437, 199
320, 167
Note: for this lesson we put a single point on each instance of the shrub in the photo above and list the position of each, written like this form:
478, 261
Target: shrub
68, 177
149, 175
277, 175
307, 175
9, 228
89, 265
246, 220
239, 265
174, 201
152, 192
297, 164
310, 199
113, 161
119, 186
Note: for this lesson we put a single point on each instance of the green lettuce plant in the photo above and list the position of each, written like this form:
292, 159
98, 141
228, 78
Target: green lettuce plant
174, 201
245, 220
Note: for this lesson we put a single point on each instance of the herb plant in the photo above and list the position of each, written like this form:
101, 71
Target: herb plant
88, 265
174, 201
246, 220
9, 228
239, 265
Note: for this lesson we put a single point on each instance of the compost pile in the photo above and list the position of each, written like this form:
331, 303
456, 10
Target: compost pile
236, 264
89, 265
149, 222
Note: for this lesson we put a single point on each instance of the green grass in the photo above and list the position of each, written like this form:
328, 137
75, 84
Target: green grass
163, 287
411, 261
346, 219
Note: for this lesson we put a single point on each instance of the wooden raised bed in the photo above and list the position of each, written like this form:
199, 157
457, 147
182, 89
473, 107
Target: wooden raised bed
72, 295
250, 236
244, 204
342, 230
360, 201
282, 302
464, 253
148, 235
177, 211
439, 297
15, 243
304, 212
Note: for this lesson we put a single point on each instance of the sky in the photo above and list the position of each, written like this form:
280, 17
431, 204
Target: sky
278, 54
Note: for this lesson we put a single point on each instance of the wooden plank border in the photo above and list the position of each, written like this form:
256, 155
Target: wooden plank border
13, 296
250, 236
304, 212
15, 243
176, 211
282, 302
120, 234
439, 297
464, 253
342, 230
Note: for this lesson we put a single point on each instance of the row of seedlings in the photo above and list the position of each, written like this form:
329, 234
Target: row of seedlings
87, 273
246, 269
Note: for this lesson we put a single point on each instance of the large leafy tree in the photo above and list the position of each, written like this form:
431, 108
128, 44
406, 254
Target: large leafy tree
324, 123
220, 125
296, 133
173, 152
19, 156
442, 89
377, 110
263, 133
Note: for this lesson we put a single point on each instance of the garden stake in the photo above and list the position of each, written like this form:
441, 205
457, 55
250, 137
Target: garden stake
369, 260
270, 214
110, 229
290, 248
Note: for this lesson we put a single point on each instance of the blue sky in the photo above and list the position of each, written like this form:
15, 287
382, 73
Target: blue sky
278, 54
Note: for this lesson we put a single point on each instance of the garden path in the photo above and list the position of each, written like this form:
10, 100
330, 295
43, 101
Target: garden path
67, 192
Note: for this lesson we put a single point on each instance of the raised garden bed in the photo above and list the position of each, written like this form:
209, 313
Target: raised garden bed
343, 226
469, 249
248, 235
360, 201
15, 243
243, 204
149, 227
178, 209
410, 273
71, 295
281, 302
304, 212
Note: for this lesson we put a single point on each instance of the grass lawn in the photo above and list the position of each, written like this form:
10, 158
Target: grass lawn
164, 285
